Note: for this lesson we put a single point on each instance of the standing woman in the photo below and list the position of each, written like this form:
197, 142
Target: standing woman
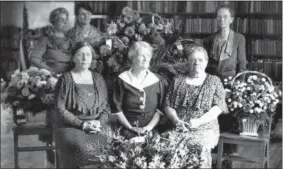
53, 49
227, 56
81, 108
226, 48
83, 30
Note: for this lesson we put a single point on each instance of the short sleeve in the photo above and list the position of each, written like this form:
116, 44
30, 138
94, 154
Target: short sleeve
118, 95
219, 96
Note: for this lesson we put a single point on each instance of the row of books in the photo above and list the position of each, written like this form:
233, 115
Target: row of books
100, 7
204, 25
268, 7
155, 6
266, 26
271, 68
206, 6
267, 47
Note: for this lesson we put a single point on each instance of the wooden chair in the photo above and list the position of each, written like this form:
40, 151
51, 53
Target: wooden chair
261, 142
22, 128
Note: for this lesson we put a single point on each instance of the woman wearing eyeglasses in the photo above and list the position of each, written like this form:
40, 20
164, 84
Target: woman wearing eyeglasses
227, 57
226, 48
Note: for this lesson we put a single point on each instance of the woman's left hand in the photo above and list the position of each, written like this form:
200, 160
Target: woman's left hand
194, 123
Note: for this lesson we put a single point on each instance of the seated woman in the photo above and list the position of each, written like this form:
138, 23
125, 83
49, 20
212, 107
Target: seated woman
195, 101
81, 109
52, 51
83, 30
138, 94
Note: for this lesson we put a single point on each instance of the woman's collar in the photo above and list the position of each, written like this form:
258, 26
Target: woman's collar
149, 80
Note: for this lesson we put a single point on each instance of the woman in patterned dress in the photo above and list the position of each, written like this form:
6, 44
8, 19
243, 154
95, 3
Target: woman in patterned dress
52, 51
81, 110
194, 102
138, 94
83, 30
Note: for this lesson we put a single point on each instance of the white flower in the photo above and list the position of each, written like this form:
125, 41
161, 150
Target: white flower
230, 77
251, 111
254, 77
263, 79
111, 158
229, 100
240, 105
225, 80
248, 88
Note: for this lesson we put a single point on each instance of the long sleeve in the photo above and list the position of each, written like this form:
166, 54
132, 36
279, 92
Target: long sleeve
103, 95
38, 52
242, 62
60, 104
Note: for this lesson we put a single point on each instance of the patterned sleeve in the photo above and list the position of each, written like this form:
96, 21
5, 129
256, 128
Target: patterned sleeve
60, 102
118, 94
168, 101
219, 96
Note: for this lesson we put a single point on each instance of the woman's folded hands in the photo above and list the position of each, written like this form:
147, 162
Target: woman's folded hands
92, 126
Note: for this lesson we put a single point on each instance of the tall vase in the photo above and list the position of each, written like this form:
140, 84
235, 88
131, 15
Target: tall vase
250, 126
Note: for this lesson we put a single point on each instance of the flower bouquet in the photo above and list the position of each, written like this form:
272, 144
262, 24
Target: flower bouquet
251, 98
129, 27
169, 150
31, 92
173, 62
123, 31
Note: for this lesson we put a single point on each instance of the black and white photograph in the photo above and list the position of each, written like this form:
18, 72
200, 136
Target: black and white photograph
141, 84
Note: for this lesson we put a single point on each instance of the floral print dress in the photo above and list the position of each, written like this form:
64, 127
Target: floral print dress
194, 101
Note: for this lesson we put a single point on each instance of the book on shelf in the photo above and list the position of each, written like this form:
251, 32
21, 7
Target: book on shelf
267, 47
267, 7
266, 26
270, 67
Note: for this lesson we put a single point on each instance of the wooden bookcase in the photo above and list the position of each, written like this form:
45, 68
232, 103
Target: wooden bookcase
259, 21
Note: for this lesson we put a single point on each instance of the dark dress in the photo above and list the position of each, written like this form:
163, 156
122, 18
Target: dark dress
54, 52
76, 103
138, 103
194, 101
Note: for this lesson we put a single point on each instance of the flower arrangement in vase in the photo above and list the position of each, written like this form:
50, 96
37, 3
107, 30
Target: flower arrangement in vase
31, 91
251, 97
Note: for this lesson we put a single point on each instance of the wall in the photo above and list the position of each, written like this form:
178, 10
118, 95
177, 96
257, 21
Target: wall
12, 13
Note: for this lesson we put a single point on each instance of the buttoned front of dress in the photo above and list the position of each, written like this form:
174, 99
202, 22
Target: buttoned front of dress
138, 103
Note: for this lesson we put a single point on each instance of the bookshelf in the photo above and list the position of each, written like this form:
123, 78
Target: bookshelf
259, 21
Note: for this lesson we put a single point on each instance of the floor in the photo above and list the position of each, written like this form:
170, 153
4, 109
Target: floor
38, 159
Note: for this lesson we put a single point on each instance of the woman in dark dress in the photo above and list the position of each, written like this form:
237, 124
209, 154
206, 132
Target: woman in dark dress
83, 30
52, 51
194, 102
138, 94
81, 110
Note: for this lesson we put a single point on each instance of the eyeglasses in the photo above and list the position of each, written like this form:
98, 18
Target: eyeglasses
220, 17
